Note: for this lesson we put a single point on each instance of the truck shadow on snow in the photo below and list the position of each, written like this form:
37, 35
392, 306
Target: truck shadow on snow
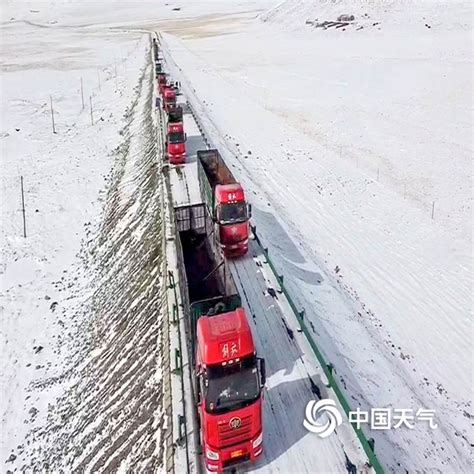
283, 246
193, 144
284, 412
291, 383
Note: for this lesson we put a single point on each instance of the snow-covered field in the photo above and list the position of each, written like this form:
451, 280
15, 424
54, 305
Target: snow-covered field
355, 147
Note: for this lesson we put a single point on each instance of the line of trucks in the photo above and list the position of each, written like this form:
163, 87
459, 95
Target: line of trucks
228, 377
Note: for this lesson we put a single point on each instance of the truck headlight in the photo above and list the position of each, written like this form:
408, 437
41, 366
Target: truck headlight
212, 455
258, 440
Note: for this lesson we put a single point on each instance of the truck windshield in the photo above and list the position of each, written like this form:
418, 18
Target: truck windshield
176, 137
232, 387
232, 213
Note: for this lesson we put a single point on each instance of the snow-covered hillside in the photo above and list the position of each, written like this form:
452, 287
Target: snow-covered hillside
58, 331
402, 16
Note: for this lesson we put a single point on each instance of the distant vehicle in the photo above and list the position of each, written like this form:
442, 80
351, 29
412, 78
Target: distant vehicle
225, 200
175, 114
228, 377
161, 77
176, 86
176, 143
169, 98
156, 49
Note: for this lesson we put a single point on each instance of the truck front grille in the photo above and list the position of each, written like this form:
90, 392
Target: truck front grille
229, 436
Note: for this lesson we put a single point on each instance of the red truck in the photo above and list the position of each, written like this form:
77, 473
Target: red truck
169, 98
175, 143
225, 200
161, 77
175, 114
228, 377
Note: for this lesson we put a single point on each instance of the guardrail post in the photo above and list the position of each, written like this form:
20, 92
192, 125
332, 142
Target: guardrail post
371, 442
175, 314
177, 361
171, 279
181, 420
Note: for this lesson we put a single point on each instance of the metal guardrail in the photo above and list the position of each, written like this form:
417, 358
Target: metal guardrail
178, 369
367, 443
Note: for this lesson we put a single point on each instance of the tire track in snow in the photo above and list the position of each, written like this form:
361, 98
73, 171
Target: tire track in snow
111, 416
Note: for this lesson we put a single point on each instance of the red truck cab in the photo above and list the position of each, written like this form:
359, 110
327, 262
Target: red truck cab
161, 76
175, 143
230, 390
233, 218
169, 98
225, 200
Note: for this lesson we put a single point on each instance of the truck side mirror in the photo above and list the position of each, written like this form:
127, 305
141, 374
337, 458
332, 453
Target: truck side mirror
263, 374
199, 388
250, 211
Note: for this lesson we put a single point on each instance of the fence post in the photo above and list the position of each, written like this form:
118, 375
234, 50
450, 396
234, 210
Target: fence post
92, 114
180, 428
23, 206
82, 94
52, 113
